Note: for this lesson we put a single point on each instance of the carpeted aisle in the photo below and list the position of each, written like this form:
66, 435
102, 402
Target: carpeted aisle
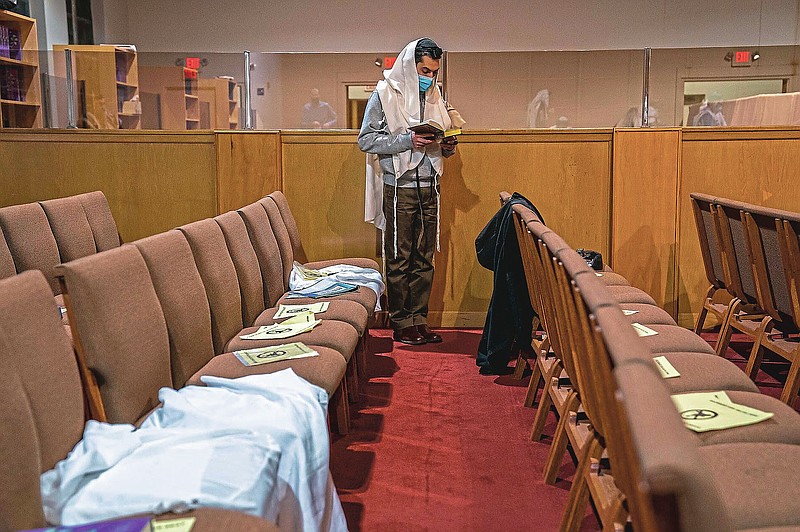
436, 446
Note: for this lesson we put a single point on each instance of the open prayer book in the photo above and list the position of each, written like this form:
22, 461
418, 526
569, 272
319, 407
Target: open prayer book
277, 353
704, 411
298, 324
434, 129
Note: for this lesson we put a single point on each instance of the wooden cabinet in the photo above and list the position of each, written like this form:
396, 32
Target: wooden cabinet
170, 98
107, 85
20, 88
222, 97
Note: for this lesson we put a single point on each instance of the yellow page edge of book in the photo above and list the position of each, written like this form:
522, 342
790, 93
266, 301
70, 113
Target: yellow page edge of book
183, 524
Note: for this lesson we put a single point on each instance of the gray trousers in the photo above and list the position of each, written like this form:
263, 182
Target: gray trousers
409, 274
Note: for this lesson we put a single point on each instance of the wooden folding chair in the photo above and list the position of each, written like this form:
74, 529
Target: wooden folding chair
773, 249
744, 313
705, 221
556, 391
539, 346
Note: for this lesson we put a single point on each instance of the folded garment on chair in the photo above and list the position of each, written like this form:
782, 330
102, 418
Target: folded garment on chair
345, 273
257, 444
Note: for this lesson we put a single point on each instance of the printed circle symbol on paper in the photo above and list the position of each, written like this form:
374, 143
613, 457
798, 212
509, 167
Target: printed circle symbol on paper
698, 414
271, 355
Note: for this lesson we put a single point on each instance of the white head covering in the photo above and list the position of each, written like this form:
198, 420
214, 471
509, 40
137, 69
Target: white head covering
399, 95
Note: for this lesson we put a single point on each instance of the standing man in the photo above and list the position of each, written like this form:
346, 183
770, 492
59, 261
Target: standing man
403, 171
318, 114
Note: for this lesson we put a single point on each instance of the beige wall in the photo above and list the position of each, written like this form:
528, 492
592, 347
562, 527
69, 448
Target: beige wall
359, 26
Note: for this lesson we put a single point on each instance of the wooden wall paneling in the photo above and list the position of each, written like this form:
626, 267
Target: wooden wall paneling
323, 179
566, 174
644, 210
760, 166
248, 167
154, 181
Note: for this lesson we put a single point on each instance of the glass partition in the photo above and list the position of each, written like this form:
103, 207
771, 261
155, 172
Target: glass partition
118, 87
746, 86
511, 90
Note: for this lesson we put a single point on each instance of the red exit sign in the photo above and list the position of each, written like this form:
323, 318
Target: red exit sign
193, 62
388, 62
742, 58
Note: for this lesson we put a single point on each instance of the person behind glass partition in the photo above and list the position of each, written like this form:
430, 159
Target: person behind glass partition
710, 114
318, 114
538, 109
633, 117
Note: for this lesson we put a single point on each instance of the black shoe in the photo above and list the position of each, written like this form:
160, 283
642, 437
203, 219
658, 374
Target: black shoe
430, 336
492, 369
409, 335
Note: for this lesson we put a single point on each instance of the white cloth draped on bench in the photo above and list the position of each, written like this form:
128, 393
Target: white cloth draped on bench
257, 444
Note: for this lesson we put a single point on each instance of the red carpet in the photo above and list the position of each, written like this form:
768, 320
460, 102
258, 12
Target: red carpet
437, 446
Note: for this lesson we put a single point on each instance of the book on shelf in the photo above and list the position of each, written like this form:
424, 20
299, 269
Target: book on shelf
11, 84
5, 49
121, 72
434, 129
14, 44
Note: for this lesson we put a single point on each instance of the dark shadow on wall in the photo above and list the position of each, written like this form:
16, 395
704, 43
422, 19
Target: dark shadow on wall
456, 197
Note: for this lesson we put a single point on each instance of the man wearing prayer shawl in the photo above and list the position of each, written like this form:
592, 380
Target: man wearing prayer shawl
403, 171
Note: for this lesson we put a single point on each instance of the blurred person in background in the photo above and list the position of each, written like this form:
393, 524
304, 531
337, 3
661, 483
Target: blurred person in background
318, 114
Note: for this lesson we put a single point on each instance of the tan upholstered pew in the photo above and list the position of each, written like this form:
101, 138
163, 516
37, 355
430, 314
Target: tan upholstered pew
751, 256
42, 414
177, 303
41, 235
567, 292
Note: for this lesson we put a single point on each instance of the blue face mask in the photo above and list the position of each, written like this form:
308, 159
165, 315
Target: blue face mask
425, 83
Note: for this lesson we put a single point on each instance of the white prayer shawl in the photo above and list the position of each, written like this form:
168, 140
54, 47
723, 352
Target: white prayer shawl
257, 444
345, 273
116, 471
399, 95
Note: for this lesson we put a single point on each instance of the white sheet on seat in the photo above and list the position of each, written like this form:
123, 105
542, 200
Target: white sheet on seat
257, 444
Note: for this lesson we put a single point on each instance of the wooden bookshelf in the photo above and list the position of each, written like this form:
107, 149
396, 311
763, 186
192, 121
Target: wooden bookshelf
175, 94
20, 106
107, 85
222, 97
